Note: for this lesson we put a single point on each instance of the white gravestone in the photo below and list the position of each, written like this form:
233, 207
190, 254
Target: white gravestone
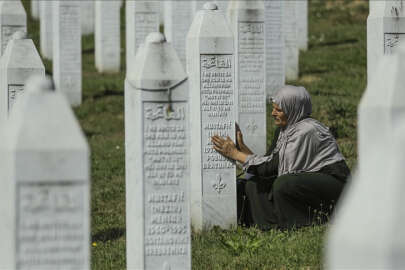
87, 14
142, 18
302, 24
19, 61
291, 52
178, 18
45, 205
211, 67
247, 21
35, 9
67, 58
157, 159
12, 19
46, 28
367, 231
275, 67
385, 29
107, 36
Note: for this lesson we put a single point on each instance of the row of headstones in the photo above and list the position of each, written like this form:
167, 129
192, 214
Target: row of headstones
367, 232
285, 25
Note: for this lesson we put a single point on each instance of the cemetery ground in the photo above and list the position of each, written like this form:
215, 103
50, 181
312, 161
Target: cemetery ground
334, 72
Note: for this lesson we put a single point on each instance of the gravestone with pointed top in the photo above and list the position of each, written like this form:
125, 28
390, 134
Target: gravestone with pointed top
157, 159
197, 5
302, 24
87, 15
142, 18
45, 201
35, 9
385, 29
275, 67
13, 18
210, 65
107, 36
291, 51
178, 18
67, 57
247, 21
371, 211
46, 28
19, 62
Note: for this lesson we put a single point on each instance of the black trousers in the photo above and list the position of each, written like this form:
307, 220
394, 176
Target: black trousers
289, 201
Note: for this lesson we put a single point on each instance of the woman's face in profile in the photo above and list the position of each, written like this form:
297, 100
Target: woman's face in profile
279, 116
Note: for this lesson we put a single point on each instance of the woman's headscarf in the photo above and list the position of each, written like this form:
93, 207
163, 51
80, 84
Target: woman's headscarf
304, 145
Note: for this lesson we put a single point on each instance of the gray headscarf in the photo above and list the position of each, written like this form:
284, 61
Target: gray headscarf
304, 145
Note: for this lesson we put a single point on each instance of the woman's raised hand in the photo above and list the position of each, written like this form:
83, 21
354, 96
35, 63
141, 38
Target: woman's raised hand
227, 148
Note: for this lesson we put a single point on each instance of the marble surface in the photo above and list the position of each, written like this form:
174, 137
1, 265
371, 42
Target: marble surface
67, 52
46, 28
157, 159
291, 51
107, 36
35, 9
302, 24
247, 19
13, 18
211, 67
87, 15
45, 202
19, 62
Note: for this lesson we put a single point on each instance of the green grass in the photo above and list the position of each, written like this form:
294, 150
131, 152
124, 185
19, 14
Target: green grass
334, 72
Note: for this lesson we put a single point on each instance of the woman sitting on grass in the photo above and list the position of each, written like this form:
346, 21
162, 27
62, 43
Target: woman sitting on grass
302, 174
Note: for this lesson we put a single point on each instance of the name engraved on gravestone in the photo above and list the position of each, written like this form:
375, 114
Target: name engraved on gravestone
165, 170
7, 32
145, 23
50, 228
69, 50
392, 40
251, 67
14, 91
217, 114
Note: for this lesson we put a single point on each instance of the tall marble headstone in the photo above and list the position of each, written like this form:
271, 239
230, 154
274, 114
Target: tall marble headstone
19, 62
211, 67
178, 19
87, 16
35, 9
107, 36
13, 18
385, 29
247, 21
275, 67
302, 24
67, 62
157, 159
291, 51
46, 28
45, 201
142, 18
367, 230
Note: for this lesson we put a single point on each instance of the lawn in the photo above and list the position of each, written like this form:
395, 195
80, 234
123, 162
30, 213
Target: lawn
334, 72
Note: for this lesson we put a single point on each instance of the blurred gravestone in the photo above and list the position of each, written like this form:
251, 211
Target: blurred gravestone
87, 14
385, 29
197, 5
178, 19
291, 52
35, 9
275, 75
247, 21
67, 57
19, 61
107, 36
45, 201
210, 65
142, 18
46, 28
367, 228
12, 19
157, 159
302, 24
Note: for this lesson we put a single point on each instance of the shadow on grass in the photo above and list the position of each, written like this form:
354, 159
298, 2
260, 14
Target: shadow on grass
334, 43
107, 93
108, 235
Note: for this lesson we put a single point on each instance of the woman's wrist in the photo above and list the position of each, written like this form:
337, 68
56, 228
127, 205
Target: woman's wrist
239, 156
